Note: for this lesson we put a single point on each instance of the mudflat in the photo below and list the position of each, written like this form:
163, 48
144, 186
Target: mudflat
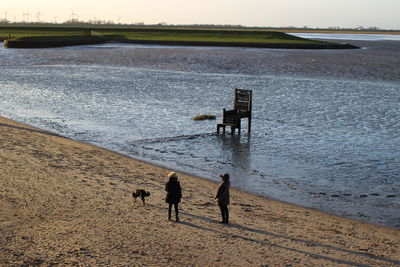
64, 202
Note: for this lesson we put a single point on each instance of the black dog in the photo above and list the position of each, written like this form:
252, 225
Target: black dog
140, 193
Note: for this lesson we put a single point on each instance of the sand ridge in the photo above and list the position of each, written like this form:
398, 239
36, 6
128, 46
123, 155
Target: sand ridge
64, 202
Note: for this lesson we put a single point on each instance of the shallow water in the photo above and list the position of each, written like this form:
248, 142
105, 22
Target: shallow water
350, 36
325, 129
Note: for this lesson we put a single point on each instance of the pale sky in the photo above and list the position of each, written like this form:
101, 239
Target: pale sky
384, 14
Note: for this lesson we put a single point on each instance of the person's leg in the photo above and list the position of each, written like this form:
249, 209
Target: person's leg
226, 214
169, 211
176, 212
222, 213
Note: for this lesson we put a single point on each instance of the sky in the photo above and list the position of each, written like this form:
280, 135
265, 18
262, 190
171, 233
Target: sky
384, 14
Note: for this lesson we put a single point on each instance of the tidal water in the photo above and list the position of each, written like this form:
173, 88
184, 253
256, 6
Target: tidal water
325, 129
350, 36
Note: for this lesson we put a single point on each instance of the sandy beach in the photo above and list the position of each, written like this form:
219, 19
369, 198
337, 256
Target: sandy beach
67, 203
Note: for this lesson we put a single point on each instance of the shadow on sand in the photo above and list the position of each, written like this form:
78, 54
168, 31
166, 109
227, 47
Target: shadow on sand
262, 232
270, 234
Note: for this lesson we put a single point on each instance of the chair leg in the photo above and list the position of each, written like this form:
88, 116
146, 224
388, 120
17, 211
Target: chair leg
219, 126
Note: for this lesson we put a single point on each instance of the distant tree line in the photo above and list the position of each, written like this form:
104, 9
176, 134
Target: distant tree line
110, 23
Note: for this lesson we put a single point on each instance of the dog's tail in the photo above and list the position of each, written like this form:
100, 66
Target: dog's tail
147, 193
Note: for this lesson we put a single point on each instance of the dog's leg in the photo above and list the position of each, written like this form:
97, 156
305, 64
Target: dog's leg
144, 204
133, 204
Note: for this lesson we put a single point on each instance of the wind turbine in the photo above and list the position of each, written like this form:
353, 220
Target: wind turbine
26, 16
74, 17
38, 14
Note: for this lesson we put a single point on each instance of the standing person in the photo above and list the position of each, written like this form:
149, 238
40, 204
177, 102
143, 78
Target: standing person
174, 194
222, 197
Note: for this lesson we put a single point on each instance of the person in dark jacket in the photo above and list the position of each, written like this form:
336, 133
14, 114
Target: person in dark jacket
222, 197
174, 194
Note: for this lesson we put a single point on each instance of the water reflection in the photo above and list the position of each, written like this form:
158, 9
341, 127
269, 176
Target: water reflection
238, 148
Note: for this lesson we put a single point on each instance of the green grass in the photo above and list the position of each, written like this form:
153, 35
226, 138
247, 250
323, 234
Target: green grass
233, 36
50, 38
160, 34
206, 36
18, 32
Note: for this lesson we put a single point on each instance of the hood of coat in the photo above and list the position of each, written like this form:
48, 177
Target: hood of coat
224, 176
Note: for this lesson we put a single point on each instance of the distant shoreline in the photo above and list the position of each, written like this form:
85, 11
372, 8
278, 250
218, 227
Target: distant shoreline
343, 32
245, 44
61, 43
46, 37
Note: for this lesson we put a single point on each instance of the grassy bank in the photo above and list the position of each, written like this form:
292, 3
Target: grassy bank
52, 41
36, 37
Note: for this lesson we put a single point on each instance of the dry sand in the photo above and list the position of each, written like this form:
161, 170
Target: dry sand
67, 203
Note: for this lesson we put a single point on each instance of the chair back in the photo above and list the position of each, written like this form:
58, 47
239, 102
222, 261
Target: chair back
243, 101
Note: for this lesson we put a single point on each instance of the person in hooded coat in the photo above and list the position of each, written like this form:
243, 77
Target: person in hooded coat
222, 197
174, 194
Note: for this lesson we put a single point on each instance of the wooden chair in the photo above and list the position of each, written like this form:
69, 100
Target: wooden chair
241, 109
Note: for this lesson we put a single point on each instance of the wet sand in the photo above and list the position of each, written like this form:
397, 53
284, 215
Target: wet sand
377, 61
67, 203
